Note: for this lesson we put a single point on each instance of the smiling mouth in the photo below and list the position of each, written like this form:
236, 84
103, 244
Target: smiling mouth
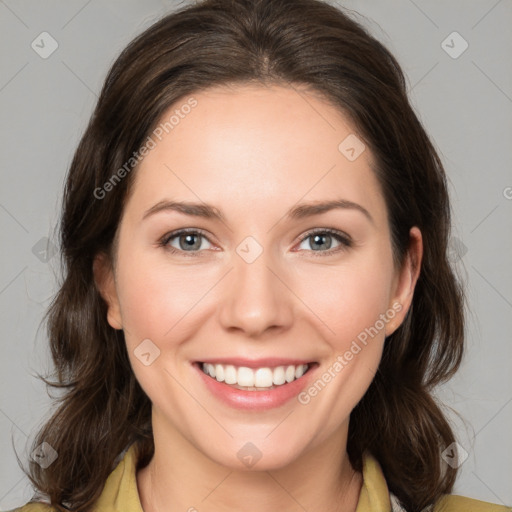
255, 379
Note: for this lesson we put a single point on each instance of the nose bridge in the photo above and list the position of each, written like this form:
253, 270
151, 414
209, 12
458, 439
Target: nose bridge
255, 298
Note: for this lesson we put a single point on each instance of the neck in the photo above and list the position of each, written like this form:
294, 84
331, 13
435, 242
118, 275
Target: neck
180, 477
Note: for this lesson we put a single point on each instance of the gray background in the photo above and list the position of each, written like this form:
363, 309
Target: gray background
464, 102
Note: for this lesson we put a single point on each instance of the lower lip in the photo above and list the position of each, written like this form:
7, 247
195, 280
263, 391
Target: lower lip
255, 400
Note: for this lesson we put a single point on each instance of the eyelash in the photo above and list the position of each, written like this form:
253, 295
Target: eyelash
344, 240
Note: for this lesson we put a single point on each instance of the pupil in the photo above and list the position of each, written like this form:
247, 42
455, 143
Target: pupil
189, 242
320, 239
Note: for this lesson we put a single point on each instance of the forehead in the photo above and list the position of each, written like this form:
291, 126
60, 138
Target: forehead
255, 143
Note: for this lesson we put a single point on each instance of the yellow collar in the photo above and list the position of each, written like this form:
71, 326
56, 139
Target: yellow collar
120, 493
374, 496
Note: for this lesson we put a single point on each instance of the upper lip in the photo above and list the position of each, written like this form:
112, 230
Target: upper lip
265, 362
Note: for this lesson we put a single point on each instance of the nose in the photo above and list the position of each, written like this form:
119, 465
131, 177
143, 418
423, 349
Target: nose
256, 298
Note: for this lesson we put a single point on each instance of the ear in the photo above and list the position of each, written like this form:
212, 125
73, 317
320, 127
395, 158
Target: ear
105, 283
405, 280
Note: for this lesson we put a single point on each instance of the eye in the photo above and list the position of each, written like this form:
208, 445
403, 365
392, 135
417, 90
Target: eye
193, 241
323, 240
185, 240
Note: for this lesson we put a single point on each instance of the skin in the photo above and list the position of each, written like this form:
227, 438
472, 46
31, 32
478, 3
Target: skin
254, 152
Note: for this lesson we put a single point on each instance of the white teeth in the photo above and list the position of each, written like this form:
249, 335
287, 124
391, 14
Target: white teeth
299, 371
263, 377
278, 376
290, 373
245, 377
230, 374
257, 378
219, 372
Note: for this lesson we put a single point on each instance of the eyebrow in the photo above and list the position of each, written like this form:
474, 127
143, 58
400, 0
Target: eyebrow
301, 211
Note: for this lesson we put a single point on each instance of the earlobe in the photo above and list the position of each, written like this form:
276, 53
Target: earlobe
406, 280
106, 286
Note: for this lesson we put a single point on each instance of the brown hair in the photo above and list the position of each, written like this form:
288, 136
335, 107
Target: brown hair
102, 409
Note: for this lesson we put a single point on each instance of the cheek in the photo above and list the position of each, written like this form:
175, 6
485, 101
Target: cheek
352, 303
349, 298
158, 300
156, 297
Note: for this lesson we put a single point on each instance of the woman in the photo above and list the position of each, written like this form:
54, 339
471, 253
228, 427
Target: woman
257, 299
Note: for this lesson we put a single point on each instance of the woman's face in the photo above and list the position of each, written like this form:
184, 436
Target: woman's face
286, 261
